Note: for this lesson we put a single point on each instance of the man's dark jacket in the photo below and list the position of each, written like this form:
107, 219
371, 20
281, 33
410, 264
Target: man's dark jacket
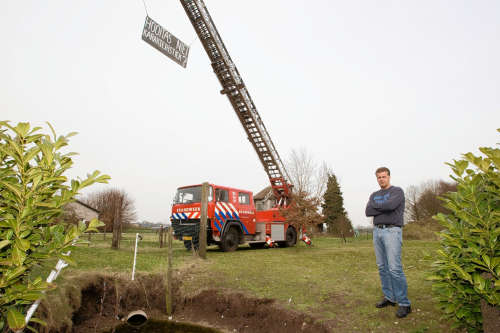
387, 206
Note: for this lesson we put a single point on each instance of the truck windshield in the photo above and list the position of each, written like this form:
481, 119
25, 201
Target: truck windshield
190, 195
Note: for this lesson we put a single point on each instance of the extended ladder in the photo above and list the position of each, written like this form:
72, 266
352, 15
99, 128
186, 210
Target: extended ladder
234, 88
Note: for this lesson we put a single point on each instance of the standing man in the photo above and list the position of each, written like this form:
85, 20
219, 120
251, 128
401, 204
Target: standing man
387, 206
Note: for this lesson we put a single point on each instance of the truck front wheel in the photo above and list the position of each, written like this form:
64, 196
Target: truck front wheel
291, 237
188, 244
230, 240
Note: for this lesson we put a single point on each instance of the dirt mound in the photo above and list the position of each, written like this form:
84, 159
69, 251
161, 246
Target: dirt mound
235, 311
97, 302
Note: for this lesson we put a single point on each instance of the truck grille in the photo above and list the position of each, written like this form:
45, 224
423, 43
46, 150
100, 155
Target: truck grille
191, 228
186, 228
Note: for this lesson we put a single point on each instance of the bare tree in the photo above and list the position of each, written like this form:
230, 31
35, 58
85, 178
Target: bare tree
116, 210
306, 175
321, 179
412, 209
301, 167
309, 180
422, 202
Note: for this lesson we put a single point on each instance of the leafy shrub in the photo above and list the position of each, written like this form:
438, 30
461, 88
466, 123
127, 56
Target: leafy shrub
33, 191
468, 268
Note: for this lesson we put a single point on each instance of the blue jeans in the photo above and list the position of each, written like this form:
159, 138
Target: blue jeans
388, 243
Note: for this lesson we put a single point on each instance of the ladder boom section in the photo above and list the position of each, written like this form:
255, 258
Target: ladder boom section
234, 88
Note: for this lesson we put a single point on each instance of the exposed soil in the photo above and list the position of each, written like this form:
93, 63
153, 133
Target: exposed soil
491, 318
94, 302
162, 326
98, 302
239, 313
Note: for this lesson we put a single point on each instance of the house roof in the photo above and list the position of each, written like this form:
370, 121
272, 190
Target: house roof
262, 194
85, 205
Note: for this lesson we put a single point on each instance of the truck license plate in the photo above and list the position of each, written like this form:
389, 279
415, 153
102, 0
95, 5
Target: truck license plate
187, 238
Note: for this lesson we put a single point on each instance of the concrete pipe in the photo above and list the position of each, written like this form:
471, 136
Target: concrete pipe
137, 318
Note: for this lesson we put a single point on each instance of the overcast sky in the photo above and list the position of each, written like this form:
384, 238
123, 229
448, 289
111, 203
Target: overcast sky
359, 84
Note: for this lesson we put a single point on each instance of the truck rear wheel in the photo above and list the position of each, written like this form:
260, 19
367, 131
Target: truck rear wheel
230, 240
291, 238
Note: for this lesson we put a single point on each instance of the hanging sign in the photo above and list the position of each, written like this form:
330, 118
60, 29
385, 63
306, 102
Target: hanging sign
162, 40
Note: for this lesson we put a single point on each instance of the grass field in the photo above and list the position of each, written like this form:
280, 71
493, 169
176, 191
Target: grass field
331, 280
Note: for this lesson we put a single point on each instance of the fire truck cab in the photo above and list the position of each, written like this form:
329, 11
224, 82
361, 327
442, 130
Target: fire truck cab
231, 219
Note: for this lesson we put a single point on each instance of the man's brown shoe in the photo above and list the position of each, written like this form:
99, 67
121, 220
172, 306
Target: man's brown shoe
383, 303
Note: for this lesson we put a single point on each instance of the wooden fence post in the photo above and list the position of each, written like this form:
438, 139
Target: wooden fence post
169, 272
115, 242
202, 238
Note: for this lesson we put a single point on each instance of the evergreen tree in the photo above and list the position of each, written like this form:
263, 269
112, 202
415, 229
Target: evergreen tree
334, 212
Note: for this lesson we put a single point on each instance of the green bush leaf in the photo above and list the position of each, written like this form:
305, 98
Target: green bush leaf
22, 129
38, 321
461, 313
32, 329
486, 260
94, 224
70, 261
4, 243
15, 319
11, 275
23, 244
32, 296
13, 188
18, 256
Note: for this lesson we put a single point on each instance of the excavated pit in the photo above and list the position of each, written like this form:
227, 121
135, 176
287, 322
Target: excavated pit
100, 303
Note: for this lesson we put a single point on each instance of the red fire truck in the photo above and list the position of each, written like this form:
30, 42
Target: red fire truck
232, 217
